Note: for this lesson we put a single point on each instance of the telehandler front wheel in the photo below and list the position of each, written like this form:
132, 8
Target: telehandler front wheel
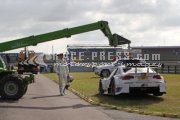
12, 87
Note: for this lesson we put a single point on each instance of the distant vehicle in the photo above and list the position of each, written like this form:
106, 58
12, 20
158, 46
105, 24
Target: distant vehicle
133, 80
106, 70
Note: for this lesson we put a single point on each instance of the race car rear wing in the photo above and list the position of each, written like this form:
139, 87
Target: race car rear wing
144, 65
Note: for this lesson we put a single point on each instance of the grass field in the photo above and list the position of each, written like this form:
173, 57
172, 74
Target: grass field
87, 84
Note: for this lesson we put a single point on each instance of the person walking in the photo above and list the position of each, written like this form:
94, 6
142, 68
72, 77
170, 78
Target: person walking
61, 68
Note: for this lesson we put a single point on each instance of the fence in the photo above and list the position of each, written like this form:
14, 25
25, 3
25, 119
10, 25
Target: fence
173, 69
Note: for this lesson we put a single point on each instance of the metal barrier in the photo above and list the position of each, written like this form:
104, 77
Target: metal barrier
173, 69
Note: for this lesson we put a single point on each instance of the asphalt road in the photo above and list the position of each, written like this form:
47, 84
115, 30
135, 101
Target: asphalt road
42, 102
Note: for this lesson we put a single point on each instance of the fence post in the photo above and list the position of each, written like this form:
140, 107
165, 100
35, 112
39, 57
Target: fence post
175, 69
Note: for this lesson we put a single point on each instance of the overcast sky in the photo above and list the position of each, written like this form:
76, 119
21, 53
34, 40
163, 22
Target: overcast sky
144, 22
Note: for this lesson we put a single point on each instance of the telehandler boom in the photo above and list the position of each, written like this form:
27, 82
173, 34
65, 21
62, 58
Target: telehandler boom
13, 85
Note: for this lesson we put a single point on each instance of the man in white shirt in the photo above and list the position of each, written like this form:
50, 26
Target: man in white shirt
61, 68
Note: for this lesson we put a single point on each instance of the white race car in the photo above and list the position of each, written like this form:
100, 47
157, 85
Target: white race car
106, 70
133, 80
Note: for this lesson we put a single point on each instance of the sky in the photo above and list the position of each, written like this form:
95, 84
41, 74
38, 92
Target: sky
144, 22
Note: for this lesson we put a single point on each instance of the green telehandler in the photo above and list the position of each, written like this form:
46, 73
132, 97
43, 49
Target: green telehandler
13, 85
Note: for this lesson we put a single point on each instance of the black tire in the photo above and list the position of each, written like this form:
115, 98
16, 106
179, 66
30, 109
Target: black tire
1, 96
112, 89
101, 91
105, 73
12, 87
158, 94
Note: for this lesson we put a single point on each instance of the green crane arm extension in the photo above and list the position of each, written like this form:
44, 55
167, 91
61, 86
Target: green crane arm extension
34, 40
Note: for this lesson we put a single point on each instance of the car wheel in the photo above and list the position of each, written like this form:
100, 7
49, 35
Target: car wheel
158, 94
101, 91
105, 73
112, 87
1, 96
